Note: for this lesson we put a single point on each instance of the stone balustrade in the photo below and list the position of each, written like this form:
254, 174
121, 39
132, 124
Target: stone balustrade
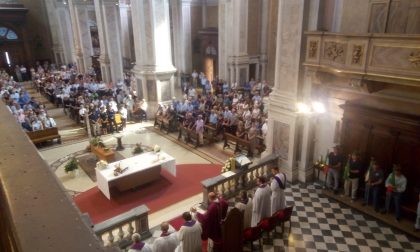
231, 183
117, 231
390, 58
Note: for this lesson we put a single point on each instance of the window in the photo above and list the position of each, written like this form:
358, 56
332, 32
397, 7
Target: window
7, 34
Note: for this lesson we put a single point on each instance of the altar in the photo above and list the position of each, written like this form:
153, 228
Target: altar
138, 170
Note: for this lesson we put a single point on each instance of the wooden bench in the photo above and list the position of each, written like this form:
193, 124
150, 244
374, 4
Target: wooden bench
102, 154
40, 136
242, 144
164, 123
191, 136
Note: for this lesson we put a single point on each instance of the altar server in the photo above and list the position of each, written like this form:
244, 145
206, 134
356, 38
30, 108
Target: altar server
138, 245
261, 207
278, 185
189, 235
167, 242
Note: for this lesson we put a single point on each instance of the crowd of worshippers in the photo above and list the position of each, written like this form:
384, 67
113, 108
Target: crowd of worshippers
103, 104
227, 108
269, 197
29, 113
375, 182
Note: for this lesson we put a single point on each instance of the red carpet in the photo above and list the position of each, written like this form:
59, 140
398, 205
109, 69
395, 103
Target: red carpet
156, 195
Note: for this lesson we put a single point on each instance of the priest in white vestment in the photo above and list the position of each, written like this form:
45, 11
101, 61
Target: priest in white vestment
261, 203
278, 185
167, 242
245, 205
138, 245
189, 235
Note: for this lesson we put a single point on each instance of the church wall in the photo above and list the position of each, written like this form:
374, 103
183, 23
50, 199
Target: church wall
38, 30
196, 25
254, 13
272, 38
212, 17
355, 16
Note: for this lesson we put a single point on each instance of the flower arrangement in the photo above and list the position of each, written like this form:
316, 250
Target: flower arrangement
156, 148
102, 164
138, 149
95, 141
230, 165
72, 165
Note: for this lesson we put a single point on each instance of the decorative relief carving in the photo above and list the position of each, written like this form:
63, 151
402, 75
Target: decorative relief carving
281, 140
357, 55
334, 51
313, 47
414, 58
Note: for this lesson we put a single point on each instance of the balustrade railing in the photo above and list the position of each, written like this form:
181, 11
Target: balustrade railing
118, 230
231, 183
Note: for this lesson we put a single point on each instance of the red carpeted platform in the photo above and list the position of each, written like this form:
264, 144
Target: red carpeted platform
156, 195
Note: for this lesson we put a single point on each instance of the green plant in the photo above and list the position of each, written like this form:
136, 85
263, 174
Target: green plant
71, 165
95, 141
138, 149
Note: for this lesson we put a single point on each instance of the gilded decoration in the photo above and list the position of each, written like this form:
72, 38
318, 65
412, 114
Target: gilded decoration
414, 58
357, 54
313, 47
334, 51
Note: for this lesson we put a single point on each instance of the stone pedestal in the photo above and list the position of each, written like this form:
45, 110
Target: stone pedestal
154, 71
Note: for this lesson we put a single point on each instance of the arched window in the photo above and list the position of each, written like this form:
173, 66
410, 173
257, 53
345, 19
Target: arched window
7, 34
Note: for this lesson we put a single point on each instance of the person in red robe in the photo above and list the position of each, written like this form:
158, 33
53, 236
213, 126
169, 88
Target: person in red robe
212, 219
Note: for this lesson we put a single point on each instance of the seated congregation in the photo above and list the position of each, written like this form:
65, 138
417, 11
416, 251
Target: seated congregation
217, 110
227, 226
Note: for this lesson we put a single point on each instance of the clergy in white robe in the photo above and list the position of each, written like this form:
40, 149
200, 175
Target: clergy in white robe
189, 235
167, 242
278, 185
245, 205
261, 203
138, 245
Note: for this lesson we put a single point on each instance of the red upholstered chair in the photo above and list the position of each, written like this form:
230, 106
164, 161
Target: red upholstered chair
283, 216
252, 234
268, 224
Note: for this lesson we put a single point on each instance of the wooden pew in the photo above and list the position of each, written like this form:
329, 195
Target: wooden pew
242, 144
40, 136
163, 123
189, 135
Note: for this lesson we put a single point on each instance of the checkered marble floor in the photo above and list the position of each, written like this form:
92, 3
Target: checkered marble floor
321, 224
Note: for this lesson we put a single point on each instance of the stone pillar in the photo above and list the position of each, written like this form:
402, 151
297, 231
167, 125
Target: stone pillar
81, 31
154, 70
265, 10
283, 121
204, 13
127, 43
62, 38
224, 40
108, 21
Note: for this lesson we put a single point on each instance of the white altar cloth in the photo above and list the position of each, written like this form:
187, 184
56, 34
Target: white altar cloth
135, 165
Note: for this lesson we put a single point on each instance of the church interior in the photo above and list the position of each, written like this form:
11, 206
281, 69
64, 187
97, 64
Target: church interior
209, 125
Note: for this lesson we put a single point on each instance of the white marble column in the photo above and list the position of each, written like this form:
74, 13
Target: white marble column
127, 42
81, 31
60, 25
223, 26
283, 120
265, 10
108, 21
154, 69
181, 21
204, 13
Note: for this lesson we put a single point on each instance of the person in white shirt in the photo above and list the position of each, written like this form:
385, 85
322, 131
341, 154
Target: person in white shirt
167, 242
189, 235
36, 124
138, 245
49, 122
261, 203
245, 205
278, 185
194, 76
395, 184
124, 114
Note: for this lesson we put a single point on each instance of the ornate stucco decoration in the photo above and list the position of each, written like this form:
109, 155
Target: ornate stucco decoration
414, 58
313, 47
357, 54
334, 51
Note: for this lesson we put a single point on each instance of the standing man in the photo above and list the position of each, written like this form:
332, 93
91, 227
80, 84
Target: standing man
211, 221
138, 245
417, 225
278, 185
194, 76
261, 203
189, 235
375, 178
199, 129
395, 184
167, 242
351, 176
335, 163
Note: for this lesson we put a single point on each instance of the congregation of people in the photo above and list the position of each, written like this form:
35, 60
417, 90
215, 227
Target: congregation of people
233, 108
269, 197
376, 182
